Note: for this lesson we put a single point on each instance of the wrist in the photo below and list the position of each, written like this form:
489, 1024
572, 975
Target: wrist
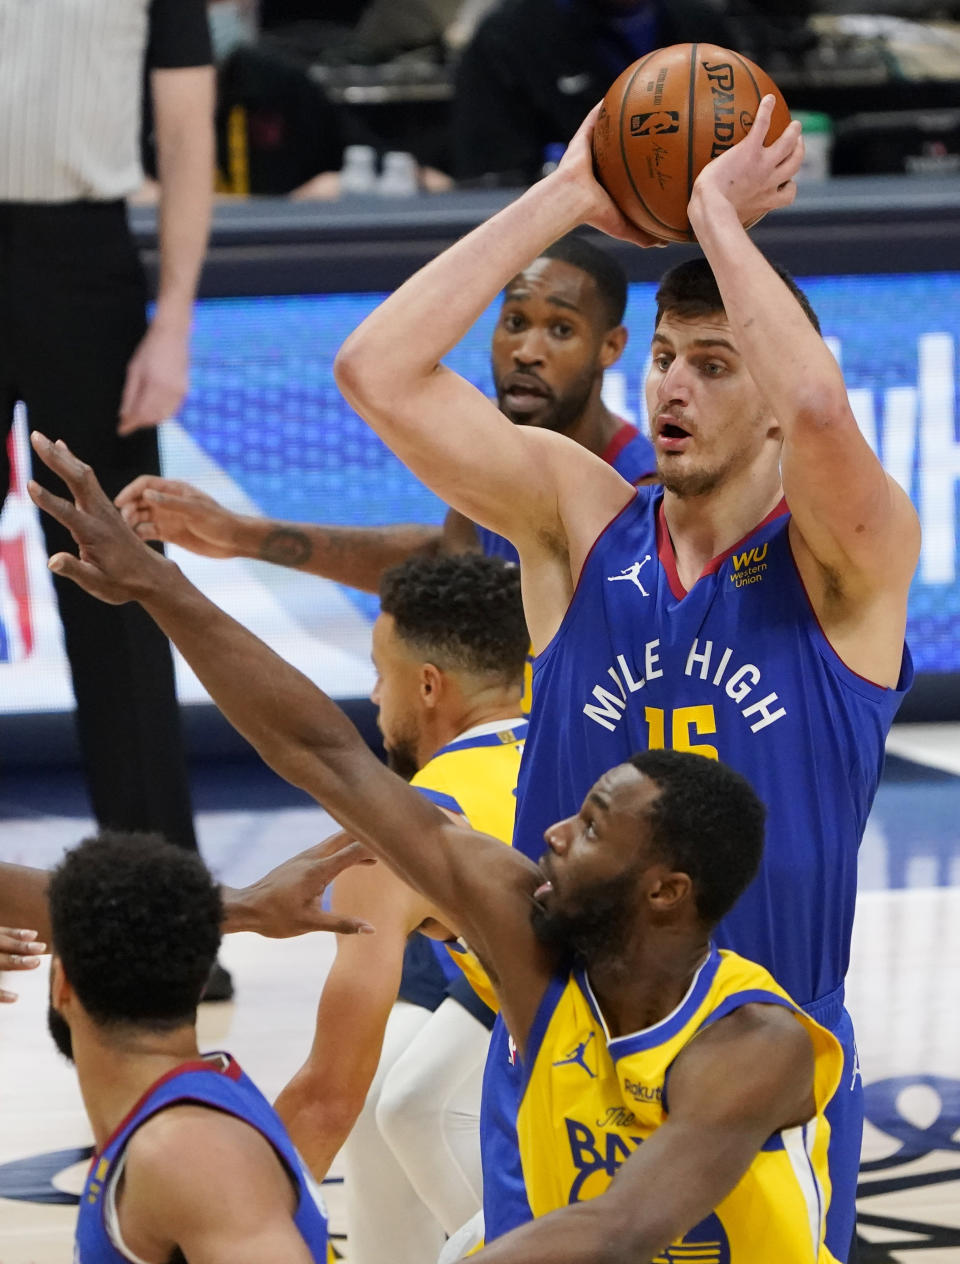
238, 912
173, 314
709, 208
245, 534
565, 200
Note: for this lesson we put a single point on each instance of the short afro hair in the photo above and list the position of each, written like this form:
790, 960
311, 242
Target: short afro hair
690, 291
706, 822
136, 925
464, 612
607, 274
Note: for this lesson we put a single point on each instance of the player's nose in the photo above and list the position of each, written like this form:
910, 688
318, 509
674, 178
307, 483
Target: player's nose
557, 837
674, 385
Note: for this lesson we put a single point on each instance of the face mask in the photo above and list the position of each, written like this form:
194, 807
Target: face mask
232, 23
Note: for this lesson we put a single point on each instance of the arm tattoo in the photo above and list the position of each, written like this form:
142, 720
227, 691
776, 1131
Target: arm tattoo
286, 547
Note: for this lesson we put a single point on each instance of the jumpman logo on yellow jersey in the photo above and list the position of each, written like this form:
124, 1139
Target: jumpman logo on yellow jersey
577, 1057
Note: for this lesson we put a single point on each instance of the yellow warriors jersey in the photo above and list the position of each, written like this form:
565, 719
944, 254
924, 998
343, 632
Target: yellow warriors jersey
589, 1101
476, 776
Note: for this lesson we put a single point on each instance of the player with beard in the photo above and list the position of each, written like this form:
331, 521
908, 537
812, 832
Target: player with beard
751, 609
675, 1086
396, 1081
190, 1161
560, 328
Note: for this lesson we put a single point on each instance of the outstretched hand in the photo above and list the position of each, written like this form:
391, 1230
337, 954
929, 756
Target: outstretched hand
113, 564
19, 950
166, 509
753, 177
287, 901
601, 210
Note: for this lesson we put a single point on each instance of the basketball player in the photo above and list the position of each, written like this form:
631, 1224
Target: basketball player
601, 955
735, 612
191, 1162
560, 328
449, 648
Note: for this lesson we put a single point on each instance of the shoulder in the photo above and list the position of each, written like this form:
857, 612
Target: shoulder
183, 1148
761, 1055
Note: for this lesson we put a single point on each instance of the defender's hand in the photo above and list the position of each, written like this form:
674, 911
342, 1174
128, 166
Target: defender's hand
113, 564
166, 509
600, 210
287, 900
19, 950
754, 178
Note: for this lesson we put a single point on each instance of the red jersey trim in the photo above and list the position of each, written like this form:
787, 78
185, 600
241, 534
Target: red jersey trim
668, 559
232, 1070
626, 434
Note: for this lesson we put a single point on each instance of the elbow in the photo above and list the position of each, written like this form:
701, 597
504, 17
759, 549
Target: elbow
820, 408
358, 371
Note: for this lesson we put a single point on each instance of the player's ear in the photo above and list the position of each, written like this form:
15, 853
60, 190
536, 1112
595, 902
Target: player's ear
431, 685
614, 341
668, 890
60, 989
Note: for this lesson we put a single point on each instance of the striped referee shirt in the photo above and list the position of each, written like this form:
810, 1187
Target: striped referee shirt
71, 90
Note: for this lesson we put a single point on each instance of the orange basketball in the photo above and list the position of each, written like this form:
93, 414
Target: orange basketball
664, 119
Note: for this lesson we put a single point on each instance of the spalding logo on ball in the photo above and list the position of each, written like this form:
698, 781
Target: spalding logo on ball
665, 118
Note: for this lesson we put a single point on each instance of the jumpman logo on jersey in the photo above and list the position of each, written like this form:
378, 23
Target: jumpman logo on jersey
577, 1057
632, 572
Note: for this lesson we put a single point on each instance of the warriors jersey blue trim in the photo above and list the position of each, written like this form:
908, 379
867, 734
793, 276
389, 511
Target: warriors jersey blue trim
440, 799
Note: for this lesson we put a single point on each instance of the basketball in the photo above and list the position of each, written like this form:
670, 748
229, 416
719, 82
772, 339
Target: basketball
664, 119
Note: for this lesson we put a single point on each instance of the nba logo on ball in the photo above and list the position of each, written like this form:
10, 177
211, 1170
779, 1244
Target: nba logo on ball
665, 118
659, 123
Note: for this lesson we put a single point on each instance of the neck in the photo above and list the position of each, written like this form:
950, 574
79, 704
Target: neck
114, 1074
646, 980
483, 706
703, 527
595, 426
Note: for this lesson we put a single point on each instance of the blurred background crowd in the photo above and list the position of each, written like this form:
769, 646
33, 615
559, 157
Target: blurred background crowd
314, 94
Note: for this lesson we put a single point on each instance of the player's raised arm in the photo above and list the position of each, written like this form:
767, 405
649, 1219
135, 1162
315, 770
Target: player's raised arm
857, 524
170, 510
734, 1087
505, 477
481, 885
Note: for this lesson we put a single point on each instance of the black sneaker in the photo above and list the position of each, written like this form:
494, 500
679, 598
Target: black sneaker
219, 984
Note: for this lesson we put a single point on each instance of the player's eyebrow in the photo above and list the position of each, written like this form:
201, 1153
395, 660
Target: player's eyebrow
520, 296
700, 343
599, 800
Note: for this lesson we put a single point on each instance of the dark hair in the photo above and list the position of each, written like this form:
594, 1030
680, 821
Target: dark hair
608, 276
690, 291
136, 925
464, 610
708, 822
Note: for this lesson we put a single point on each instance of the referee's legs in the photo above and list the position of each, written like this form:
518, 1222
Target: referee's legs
80, 304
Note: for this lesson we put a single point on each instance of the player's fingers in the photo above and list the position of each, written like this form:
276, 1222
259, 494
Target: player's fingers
134, 490
147, 530
18, 961
761, 122
85, 576
77, 475
353, 854
20, 942
64, 511
7, 998
178, 505
131, 388
342, 925
784, 147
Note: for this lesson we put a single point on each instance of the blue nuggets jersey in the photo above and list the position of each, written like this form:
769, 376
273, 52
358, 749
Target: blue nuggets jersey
738, 669
629, 452
216, 1081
